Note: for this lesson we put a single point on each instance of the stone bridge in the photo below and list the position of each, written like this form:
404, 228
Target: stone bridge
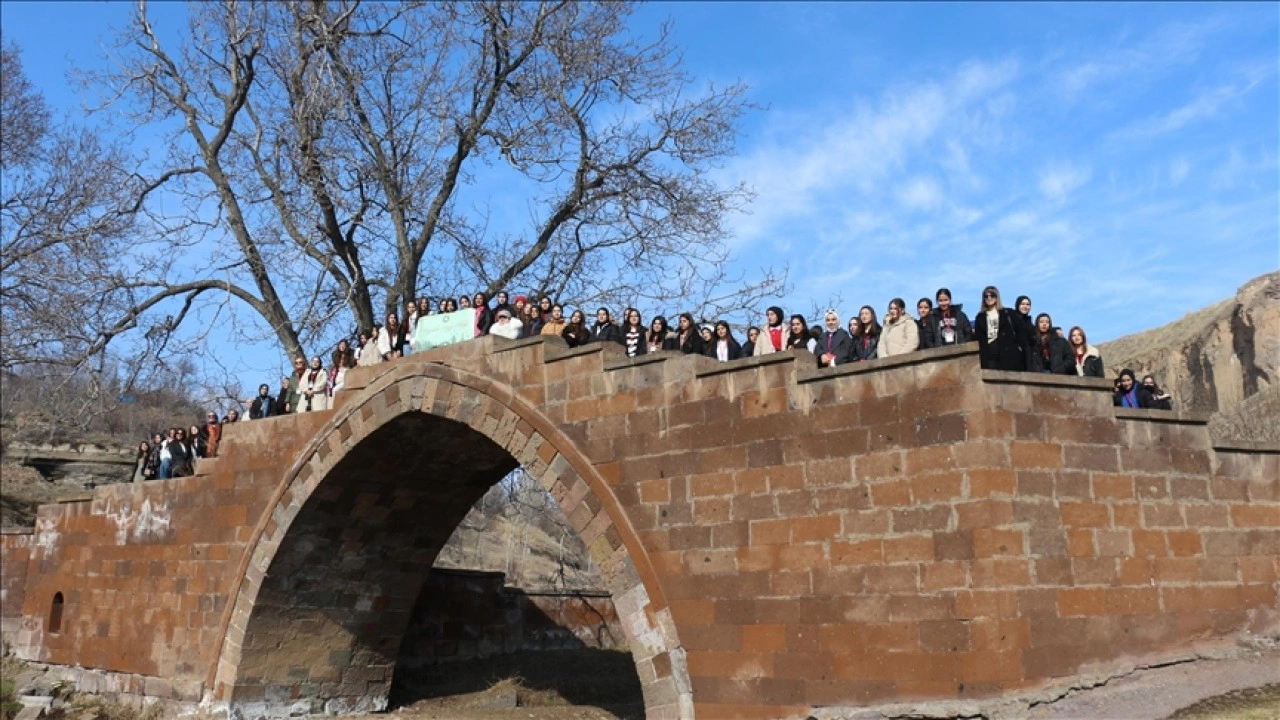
775, 538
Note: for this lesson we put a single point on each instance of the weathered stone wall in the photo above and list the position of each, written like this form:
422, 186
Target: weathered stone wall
774, 537
145, 568
15, 554
464, 615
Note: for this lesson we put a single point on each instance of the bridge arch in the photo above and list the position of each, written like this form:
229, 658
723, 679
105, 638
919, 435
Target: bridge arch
335, 566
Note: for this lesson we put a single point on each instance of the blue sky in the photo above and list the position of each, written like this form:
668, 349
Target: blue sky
1116, 162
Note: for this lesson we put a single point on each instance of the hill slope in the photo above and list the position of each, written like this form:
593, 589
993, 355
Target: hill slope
1215, 359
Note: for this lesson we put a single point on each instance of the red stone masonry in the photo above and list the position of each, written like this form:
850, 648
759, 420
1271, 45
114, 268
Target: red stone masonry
774, 537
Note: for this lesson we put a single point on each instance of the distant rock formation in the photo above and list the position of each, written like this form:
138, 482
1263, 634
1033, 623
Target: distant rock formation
1215, 359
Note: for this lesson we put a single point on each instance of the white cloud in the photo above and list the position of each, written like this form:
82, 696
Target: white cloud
1059, 181
851, 151
1179, 168
1162, 51
1206, 104
920, 194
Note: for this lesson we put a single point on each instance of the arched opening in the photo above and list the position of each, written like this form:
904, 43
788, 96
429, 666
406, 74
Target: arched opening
55, 614
515, 613
333, 577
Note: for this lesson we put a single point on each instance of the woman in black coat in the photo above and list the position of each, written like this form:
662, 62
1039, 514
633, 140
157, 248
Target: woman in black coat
1050, 353
950, 325
867, 341
1088, 361
1004, 340
575, 332
835, 347
723, 346
686, 337
657, 335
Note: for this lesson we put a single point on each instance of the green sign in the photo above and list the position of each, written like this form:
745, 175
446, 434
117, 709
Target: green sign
444, 329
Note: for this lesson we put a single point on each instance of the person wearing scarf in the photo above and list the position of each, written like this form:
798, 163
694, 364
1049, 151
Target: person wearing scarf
775, 336
1130, 394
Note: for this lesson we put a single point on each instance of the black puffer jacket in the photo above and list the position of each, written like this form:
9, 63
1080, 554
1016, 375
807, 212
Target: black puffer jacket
1056, 359
952, 329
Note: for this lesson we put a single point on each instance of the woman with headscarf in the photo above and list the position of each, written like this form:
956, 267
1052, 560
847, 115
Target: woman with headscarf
1004, 339
311, 388
834, 346
775, 335
1023, 306
749, 347
1130, 394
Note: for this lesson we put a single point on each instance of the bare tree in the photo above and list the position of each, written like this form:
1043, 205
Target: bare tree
334, 152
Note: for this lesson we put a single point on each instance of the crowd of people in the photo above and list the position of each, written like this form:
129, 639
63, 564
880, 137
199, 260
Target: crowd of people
173, 454
1008, 338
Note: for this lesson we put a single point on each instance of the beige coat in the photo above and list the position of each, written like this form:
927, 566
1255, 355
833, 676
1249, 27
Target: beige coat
898, 338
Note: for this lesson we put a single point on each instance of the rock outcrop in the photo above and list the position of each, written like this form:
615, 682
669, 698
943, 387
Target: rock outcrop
1214, 359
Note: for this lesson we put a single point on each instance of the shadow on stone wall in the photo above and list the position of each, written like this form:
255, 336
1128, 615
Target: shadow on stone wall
469, 632
605, 679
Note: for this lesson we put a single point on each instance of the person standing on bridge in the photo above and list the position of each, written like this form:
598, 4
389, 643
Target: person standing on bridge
311, 388
183, 454
1004, 337
776, 335
142, 462
212, 433
575, 333
633, 335
724, 347
605, 330
950, 326
835, 347
553, 322
657, 335
900, 335
867, 341
686, 338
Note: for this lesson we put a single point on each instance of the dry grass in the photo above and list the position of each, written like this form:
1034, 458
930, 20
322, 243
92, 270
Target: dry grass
1252, 704
1149, 348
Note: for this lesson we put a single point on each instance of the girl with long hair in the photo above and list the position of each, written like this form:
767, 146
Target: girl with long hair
575, 332
1088, 361
634, 340
657, 335
724, 347
867, 340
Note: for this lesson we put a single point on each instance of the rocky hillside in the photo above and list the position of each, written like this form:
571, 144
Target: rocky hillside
1224, 359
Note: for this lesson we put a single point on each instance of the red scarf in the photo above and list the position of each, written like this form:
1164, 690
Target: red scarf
775, 336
